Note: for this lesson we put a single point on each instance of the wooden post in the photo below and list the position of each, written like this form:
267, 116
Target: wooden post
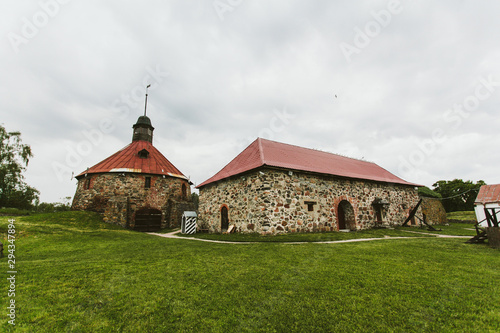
493, 237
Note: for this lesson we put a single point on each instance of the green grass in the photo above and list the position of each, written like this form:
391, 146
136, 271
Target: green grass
454, 229
462, 215
77, 274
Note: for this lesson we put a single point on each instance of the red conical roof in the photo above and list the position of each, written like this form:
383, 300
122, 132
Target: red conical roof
128, 159
270, 153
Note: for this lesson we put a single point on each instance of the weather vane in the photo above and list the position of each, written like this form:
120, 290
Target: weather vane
146, 103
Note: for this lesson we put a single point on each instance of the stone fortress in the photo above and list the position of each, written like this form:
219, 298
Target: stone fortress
270, 187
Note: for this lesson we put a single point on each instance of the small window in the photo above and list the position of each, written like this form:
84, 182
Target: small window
86, 185
310, 205
147, 183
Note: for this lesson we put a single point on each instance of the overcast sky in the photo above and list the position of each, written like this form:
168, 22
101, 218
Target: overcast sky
413, 86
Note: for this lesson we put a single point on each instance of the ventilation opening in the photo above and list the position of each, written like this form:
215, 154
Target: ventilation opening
310, 205
143, 153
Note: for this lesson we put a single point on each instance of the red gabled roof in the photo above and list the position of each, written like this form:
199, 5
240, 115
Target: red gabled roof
270, 153
488, 194
128, 160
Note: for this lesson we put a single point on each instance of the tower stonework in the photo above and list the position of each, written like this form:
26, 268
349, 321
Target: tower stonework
137, 187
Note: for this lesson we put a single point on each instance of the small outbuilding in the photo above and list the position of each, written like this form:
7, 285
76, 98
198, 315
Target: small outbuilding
273, 187
188, 224
488, 197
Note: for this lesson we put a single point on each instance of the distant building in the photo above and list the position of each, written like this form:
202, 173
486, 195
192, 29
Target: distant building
273, 187
488, 197
137, 187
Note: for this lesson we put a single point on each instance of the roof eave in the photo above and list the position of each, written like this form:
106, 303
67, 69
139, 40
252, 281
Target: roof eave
404, 183
85, 174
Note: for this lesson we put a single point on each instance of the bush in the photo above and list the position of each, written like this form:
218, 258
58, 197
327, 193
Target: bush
51, 207
13, 211
428, 193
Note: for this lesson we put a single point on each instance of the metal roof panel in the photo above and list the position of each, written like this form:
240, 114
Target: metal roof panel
128, 160
488, 194
264, 152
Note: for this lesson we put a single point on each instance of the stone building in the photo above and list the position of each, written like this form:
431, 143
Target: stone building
273, 187
433, 210
137, 187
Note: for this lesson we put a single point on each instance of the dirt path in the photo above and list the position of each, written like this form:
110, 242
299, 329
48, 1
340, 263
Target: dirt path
174, 236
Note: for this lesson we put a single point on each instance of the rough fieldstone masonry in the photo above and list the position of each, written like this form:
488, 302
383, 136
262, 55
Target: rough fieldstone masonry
120, 196
270, 200
434, 211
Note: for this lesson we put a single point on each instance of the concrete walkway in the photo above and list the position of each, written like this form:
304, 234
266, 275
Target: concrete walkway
437, 235
174, 236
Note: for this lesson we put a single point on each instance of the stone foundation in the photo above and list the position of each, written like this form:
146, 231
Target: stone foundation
275, 201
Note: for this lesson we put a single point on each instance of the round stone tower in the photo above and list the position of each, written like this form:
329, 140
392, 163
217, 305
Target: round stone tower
136, 187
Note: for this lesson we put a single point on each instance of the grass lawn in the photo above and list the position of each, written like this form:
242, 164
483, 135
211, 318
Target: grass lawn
77, 274
462, 215
455, 229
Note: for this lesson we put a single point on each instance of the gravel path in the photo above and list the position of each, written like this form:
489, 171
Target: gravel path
173, 235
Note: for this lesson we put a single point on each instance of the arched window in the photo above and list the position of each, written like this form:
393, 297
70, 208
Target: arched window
184, 191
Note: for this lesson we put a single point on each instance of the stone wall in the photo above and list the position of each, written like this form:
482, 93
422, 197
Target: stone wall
434, 211
273, 201
119, 196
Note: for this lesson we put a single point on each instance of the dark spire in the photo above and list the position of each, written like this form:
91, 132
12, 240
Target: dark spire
143, 130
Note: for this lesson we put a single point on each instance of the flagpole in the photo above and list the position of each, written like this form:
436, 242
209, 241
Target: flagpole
146, 103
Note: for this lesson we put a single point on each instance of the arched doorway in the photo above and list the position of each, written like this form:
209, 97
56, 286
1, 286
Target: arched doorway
147, 219
224, 218
345, 216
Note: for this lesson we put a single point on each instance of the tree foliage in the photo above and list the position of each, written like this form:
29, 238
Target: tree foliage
14, 158
428, 193
196, 200
458, 195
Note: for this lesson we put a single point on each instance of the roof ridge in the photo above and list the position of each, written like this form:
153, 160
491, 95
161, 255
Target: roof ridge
319, 150
261, 151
